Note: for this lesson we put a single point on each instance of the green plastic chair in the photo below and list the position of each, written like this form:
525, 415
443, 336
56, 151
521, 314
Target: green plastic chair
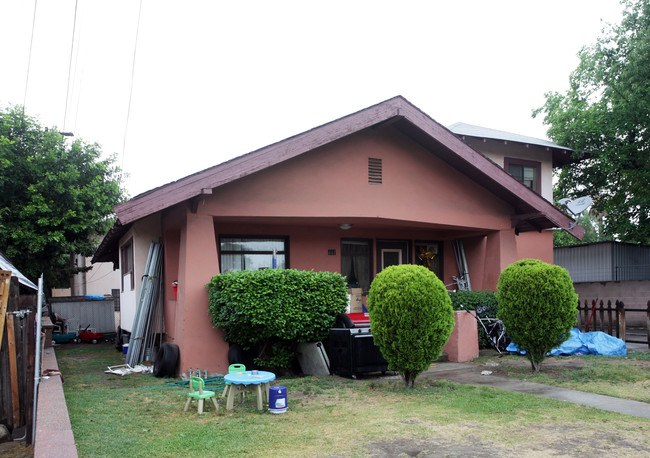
232, 369
198, 392
236, 368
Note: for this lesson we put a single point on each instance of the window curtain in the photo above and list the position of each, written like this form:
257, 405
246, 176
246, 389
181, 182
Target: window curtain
355, 264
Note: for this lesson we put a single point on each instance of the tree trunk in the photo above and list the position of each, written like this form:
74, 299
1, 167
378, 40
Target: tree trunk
409, 379
536, 365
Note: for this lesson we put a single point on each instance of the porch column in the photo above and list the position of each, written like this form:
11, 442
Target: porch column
202, 346
500, 252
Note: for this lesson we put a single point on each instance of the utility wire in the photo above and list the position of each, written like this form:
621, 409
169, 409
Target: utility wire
67, 93
128, 111
80, 82
29, 59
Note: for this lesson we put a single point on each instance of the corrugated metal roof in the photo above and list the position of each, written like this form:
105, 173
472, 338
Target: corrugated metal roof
604, 261
460, 128
5, 264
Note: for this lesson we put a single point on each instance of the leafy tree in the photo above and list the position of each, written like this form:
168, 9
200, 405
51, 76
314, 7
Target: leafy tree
56, 198
593, 232
605, 115
411, 318
538, 306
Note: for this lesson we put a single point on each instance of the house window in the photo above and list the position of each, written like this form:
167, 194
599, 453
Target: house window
126, 263
253, 253
525, 172
356, 263
429, 255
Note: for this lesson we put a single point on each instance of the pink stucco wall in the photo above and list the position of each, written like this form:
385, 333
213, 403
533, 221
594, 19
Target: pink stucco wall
462, 345
332, 182
421, 198
535, 245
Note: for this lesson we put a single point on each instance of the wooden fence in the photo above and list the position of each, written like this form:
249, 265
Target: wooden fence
610, 318
17, 352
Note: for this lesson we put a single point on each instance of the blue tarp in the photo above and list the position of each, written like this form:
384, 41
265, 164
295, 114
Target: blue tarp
585, 343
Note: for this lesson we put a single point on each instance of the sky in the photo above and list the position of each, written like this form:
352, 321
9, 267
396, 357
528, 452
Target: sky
174, 87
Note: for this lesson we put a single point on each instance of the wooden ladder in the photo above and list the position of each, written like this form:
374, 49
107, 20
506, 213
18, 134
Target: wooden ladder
5, 284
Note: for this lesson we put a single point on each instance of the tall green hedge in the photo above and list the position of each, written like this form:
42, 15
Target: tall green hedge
538, 306
276, 308
411, 318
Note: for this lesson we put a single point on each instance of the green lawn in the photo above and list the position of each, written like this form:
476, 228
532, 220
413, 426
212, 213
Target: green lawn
626, 377
139, 415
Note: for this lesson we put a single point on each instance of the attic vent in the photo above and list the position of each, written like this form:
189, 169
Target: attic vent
374, 170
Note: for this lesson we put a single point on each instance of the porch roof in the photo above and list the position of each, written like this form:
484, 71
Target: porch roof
531, 211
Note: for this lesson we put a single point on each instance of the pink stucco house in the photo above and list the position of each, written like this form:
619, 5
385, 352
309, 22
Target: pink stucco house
378, 187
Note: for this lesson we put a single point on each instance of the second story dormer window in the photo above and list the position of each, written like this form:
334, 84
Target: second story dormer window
526, 172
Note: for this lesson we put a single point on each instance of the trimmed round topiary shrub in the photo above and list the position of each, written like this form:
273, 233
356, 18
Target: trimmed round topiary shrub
411, 318
538, 306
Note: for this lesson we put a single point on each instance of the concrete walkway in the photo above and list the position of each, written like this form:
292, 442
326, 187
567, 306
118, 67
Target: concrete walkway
470, 373
54, 436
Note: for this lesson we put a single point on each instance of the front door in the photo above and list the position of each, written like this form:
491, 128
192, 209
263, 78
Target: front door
392, 253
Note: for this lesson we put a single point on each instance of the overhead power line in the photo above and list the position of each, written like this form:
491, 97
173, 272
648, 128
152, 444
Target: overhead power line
67, 93
29, 58
128, 111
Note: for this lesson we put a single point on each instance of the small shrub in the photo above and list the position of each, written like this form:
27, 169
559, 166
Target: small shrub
273, 309
483, 303
411, 318
537, 304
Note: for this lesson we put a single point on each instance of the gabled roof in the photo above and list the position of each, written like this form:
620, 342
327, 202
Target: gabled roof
533, 212
561, 154
5, 264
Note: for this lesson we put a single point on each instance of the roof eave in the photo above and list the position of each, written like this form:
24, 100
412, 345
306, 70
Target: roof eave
411, 121
199, 183
108, 249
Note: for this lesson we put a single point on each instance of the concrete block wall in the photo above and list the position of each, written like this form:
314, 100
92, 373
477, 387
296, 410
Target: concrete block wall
635, 294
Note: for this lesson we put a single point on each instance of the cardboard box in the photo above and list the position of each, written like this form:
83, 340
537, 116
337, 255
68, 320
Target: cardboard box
356, 296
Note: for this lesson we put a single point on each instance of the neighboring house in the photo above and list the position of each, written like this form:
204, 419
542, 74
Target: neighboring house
609, 271
382, 186
101, 279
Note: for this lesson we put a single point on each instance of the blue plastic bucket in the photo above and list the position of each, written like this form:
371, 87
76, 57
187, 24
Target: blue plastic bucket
278, 399
125, 348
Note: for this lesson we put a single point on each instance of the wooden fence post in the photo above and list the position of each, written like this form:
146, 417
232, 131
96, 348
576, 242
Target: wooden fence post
647, 323
601, 312
620, 318
609, 318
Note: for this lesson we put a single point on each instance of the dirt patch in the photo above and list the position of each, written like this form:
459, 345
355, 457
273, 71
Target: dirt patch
16, 449
432, 447
564, 441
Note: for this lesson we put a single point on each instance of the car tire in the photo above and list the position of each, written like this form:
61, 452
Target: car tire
166, 361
